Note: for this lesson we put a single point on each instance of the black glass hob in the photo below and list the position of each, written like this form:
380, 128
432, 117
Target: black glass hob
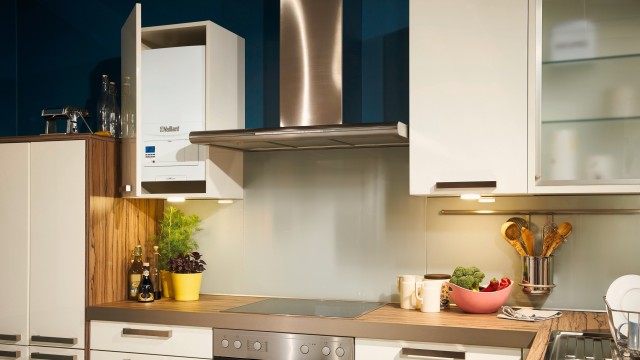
308, 307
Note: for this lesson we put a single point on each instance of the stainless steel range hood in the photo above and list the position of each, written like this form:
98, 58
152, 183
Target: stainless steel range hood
311, 90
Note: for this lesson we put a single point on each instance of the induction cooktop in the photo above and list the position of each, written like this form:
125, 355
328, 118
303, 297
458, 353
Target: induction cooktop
308, 307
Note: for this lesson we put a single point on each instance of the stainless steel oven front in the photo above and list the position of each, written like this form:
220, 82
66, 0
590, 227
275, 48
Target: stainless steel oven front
229, 344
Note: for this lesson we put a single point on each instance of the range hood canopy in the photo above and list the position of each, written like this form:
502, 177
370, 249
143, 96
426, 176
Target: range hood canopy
311, 90
306, 137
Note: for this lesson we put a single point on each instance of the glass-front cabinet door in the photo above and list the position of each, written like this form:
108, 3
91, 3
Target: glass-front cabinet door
584, 98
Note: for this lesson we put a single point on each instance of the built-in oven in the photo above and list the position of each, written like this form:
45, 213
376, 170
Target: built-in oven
230, 344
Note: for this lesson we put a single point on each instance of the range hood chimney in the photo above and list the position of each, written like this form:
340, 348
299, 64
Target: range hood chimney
311, 90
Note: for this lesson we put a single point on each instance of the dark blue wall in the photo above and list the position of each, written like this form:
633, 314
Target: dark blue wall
54, 51
8, 68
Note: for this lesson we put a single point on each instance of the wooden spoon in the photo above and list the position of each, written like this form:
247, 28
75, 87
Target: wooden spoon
511, 233
562, 233
528, 238
548, 240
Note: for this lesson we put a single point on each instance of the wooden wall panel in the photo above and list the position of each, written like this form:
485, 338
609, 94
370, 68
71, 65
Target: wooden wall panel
115, 225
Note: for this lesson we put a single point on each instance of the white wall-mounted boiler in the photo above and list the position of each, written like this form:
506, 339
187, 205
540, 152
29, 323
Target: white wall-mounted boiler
178, 79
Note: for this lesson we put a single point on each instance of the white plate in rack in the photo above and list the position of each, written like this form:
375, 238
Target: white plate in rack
624, 294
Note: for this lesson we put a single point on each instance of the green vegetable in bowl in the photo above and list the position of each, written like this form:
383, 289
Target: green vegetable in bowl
468, 277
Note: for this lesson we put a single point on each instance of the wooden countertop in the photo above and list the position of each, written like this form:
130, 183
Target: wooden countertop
387, 322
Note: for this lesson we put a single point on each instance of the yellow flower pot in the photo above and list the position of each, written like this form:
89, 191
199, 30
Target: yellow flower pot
167, 284
186, 287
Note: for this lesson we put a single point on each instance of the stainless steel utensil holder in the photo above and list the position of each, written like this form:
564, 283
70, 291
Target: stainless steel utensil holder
537, 275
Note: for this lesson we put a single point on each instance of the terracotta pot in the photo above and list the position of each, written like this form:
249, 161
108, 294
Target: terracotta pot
186, 287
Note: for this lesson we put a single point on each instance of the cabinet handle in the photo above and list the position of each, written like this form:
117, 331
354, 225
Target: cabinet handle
9, 337
431, 354
54, 340
163, 334
465, 184
52, 356
10, 354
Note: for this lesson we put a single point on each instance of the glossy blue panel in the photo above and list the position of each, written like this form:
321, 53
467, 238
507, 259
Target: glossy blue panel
62, 48
8, 68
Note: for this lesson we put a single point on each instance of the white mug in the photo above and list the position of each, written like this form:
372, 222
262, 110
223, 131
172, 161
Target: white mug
407, 291
429, 293
633, 335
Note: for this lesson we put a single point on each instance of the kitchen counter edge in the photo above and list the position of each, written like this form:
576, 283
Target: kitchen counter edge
388, 322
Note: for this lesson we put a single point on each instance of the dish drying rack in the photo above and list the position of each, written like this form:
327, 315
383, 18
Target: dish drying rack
616, 327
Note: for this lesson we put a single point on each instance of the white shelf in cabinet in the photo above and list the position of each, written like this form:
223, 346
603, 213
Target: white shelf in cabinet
600, 119
596, 58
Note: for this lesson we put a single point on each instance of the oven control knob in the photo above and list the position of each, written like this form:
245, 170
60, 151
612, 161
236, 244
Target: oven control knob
225, 343
304, 349
326, 351
237, 344
257, 345
340, 352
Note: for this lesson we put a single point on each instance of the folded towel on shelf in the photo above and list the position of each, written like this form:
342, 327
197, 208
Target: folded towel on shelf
526, 314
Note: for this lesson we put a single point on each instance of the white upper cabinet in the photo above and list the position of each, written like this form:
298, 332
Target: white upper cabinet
176, 79
584, 96
468, 96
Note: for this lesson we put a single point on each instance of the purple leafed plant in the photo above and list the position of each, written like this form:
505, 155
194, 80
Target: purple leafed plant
189, 263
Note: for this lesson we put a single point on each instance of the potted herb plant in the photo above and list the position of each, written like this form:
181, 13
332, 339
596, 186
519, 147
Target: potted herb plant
186, 275
176, 238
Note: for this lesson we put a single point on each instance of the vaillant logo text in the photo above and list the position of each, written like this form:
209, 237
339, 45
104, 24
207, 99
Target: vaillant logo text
169, 129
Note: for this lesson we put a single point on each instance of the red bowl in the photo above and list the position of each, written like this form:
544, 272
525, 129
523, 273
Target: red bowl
478, 302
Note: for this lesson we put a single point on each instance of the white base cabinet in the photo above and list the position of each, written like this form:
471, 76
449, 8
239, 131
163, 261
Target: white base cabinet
14, 352
375, 349
57, 243
14, 242
123, 339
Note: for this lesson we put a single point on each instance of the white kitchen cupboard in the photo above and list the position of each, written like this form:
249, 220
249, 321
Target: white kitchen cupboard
57, 290
14, 352
115, 340
376, 349
584, 97
42, 210
14, 242
468, 96
156, 141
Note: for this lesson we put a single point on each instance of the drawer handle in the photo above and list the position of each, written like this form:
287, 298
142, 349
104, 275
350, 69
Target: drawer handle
54, 340
42, 356
162, 334
466, 184
9, 337
10, 354
431, 354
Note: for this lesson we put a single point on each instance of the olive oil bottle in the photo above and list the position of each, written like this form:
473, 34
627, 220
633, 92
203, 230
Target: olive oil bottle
135, 273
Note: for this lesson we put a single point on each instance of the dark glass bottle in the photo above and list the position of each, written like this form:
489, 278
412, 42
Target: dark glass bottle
155, 275
145, 291
135, 273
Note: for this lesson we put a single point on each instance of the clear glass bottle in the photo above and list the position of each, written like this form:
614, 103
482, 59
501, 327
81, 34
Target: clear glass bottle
102, 108
145, 290
135, 273
155, 275
114, 111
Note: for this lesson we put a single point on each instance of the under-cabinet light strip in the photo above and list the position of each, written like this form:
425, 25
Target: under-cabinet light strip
543, 212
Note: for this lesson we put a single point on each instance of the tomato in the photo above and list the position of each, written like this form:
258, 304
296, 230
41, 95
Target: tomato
504, 283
